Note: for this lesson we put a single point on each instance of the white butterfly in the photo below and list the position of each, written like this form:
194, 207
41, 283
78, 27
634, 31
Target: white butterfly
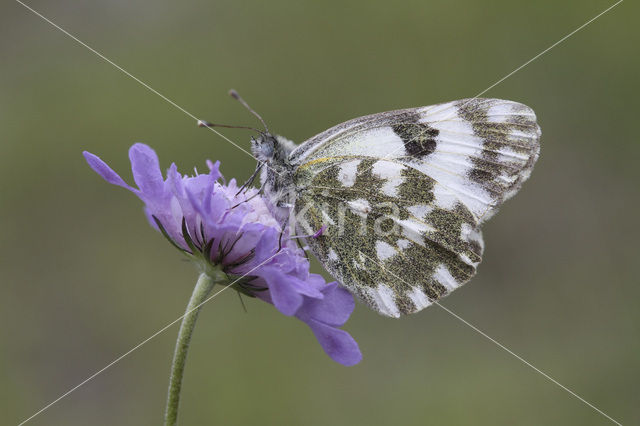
400, 195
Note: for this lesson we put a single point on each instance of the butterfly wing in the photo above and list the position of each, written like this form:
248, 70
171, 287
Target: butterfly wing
402, 195
482, 150
398, 252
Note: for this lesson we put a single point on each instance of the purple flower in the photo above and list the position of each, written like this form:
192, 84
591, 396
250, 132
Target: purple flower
222, 230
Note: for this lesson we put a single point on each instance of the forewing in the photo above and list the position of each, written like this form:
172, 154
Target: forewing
394, 236
480, 150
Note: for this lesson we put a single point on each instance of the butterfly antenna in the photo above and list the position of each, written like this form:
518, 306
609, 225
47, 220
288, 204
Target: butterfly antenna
237, 97
202, 123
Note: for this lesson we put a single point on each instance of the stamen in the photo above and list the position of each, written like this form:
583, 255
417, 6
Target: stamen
320, 231
317, 234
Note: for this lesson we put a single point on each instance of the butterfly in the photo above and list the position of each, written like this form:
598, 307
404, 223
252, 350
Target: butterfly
392, 203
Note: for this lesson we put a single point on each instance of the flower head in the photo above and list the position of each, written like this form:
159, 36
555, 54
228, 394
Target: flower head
233, 233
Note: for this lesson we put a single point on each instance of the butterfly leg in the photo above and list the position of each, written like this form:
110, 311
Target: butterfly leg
305, 249
251, 178
260, 192
300, 238
282, 228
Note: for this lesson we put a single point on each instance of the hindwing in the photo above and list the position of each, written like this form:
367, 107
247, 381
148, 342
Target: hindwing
394, 237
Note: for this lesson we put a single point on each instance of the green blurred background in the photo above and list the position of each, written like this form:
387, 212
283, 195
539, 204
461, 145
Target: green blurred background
84, 278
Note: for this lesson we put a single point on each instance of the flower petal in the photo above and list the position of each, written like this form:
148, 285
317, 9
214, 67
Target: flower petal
146, 170
242, 237
334, 309
284, 297
267, 245
304, 288
106, 172
338, 344
214, 169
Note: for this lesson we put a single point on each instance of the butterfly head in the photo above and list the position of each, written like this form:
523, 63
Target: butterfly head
263, 147
267, 148
271, 149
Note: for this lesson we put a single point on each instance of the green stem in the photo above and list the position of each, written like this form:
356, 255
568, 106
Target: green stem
200, 292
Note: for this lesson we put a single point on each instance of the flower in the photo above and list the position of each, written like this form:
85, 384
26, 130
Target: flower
224, 230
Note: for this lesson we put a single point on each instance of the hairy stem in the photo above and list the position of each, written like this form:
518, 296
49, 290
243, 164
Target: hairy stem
200, 292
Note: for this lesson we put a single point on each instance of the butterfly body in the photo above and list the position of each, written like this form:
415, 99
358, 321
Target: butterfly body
276, 178
402, 194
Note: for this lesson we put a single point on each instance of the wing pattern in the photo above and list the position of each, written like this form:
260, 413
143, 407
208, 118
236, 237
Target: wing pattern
481, 149
403, 194
388, 239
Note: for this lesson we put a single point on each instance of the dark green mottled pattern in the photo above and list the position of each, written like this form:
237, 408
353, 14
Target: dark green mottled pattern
353, 237
515, 134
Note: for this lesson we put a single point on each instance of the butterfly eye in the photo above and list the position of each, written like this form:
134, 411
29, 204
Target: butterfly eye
262, 148
267, 146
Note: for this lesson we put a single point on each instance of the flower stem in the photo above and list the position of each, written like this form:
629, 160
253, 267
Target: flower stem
200, 292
